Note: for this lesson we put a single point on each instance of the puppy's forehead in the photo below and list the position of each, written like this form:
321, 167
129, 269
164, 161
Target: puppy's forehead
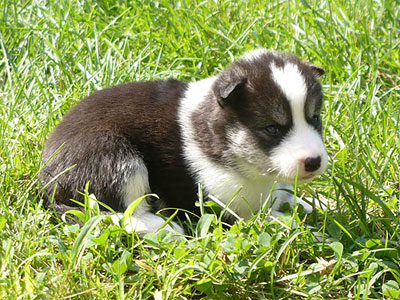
291, 82
283, 85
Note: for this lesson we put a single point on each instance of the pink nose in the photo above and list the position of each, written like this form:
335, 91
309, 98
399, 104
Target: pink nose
312, 164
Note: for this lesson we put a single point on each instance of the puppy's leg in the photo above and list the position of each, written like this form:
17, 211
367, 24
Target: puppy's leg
146, 222
142, 219
115, 171
283, 193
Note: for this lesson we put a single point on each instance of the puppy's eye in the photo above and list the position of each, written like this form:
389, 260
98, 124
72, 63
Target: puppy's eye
316, 120
272, 130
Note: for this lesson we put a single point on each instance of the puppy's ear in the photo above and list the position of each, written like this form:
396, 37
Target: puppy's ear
227, 91
317, 71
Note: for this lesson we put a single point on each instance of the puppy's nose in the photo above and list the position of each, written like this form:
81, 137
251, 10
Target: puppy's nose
312, 164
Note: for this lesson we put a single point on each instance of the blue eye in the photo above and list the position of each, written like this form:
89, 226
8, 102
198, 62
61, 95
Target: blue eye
272, 130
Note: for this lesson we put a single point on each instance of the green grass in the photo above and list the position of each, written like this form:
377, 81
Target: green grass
54, 53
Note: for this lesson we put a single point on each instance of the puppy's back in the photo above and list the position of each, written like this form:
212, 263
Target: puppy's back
107, 135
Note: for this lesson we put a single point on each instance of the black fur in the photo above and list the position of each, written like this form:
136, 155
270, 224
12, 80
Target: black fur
106, 131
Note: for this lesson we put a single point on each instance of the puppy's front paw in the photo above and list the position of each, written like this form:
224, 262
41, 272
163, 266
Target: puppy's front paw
283, 193
307, 208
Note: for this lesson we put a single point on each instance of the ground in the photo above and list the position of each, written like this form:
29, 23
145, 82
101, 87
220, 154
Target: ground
53, 53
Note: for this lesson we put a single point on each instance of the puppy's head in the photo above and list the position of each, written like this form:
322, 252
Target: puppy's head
271, 102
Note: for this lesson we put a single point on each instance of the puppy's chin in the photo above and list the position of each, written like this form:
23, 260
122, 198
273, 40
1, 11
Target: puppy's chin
299, 180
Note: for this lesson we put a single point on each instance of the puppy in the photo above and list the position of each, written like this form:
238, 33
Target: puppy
254, 126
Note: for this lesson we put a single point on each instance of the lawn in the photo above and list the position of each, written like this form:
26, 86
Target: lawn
53, 53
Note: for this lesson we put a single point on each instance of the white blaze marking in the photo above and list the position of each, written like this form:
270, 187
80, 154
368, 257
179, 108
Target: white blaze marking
303, 140
292, 84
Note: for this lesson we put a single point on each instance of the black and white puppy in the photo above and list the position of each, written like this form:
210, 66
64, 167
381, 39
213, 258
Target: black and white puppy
254, 124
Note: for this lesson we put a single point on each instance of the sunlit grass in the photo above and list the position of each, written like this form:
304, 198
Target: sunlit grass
54, 53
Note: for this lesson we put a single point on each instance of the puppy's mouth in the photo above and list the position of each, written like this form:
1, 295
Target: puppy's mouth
307, 177
292, 180
291, 177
